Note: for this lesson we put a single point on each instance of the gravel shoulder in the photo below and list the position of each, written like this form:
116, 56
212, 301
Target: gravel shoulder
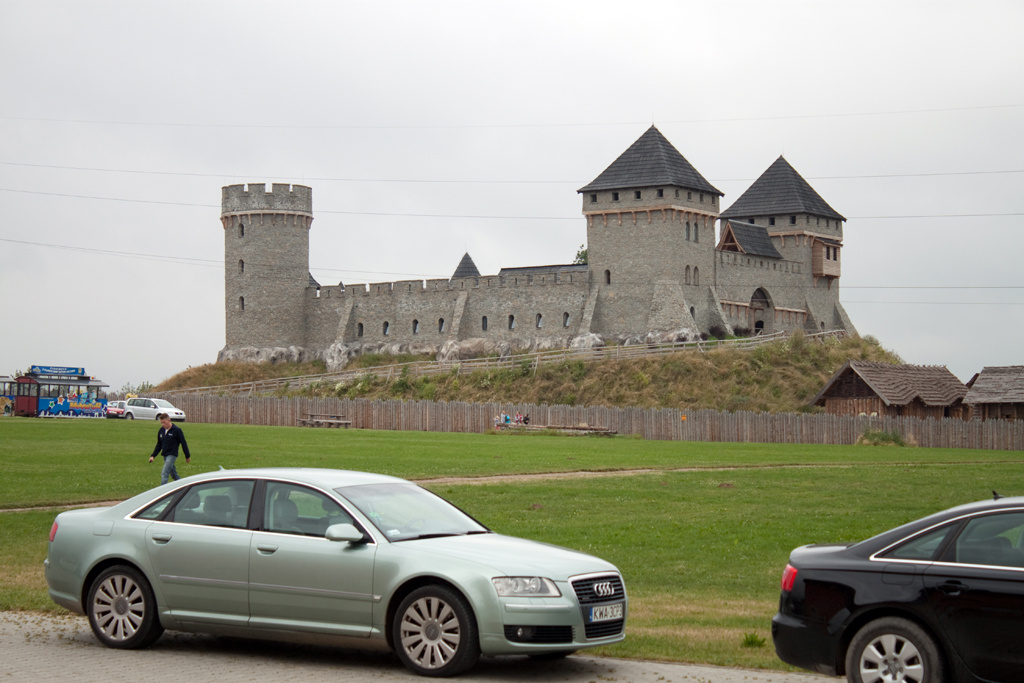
40, 646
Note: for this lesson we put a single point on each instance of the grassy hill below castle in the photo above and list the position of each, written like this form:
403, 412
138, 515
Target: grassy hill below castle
777, 377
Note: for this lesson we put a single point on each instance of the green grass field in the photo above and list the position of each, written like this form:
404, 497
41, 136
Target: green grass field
701, 541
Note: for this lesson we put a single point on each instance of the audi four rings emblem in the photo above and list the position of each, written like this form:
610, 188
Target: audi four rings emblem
604, 589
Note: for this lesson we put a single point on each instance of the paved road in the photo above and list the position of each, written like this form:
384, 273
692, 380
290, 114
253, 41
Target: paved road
39, 647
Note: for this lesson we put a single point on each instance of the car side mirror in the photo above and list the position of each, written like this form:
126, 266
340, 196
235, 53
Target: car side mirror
345, 533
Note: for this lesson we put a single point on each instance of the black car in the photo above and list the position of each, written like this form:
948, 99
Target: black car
936, 600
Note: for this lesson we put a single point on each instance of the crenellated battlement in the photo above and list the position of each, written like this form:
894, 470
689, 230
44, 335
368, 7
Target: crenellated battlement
404, 287
255, 198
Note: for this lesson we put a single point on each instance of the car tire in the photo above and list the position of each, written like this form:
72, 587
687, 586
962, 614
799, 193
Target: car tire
129, 416
122, 609
434, 632
894, 649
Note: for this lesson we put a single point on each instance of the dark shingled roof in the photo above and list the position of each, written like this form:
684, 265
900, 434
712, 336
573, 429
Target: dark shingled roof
466, 268
933, 385
651, 161
998, 385
313, 282
752, 239
780, 190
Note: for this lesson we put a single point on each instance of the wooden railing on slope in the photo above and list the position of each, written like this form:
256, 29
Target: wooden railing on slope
535, 359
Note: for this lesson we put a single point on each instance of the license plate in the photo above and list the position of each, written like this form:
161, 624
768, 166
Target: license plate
606, 612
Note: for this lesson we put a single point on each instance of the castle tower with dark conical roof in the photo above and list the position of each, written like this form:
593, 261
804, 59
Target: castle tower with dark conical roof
650, 237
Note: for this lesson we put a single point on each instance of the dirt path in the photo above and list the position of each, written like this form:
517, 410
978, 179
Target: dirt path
574, 474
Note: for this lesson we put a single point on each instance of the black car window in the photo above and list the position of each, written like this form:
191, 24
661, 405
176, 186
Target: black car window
922, 547
294, 509
992, 540
215, 503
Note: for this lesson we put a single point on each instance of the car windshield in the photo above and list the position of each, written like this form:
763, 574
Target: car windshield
163, 404
405, 511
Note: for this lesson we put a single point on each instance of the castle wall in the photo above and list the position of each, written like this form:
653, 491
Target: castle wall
653, 268
429, 313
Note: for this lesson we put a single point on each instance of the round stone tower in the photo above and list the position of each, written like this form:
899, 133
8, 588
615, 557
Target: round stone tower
266, 266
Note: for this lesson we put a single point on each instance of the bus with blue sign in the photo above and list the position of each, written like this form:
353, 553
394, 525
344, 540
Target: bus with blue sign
57, 391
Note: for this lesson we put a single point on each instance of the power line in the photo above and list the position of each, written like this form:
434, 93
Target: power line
477, 181
213, 263
470, 126
460, 216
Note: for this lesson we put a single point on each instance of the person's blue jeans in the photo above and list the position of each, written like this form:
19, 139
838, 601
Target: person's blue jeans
169, 471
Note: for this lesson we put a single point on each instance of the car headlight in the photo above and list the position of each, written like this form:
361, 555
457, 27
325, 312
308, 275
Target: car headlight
525, 587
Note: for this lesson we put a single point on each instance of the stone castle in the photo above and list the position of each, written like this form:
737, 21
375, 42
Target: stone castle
655, 273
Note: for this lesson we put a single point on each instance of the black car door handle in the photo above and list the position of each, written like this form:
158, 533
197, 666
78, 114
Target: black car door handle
953, 587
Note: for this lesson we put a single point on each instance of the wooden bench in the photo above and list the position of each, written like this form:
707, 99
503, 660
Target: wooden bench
582, 430
323, 420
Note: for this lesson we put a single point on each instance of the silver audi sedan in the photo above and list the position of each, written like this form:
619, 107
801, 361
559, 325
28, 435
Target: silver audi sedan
365, 560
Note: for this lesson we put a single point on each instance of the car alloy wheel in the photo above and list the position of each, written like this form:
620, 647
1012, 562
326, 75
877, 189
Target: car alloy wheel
122, 609
893, 650
435, 633
129, 416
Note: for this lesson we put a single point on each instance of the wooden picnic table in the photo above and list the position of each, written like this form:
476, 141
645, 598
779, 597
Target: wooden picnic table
323, 420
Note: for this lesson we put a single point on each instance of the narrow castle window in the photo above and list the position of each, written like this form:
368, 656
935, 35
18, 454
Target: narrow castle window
696, 275
771, 220
241, 266
440, 324
689, 196
538, 321
483, 323
687, 231
792, 220
241, 303
661, 192
593, 198
415, 326
511, 322
386, 328
701, 197
677, 193
615, 196
607, 277
565, 320
687, 280
636, 194
696, 234
693, 313
241, 229
359, 330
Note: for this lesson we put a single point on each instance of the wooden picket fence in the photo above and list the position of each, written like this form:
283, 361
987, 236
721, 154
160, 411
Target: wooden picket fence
648, 423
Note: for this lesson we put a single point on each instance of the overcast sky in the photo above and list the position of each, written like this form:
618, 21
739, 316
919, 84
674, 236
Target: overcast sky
428, 129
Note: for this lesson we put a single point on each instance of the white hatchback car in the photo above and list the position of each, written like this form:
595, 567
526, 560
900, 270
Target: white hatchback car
149, 408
